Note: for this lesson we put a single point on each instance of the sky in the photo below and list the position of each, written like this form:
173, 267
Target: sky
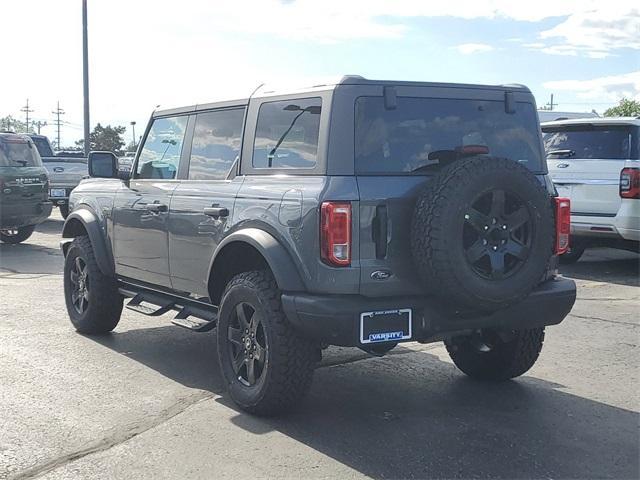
146, 53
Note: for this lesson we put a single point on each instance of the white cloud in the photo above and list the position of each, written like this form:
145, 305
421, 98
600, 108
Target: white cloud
612, 88
471, 48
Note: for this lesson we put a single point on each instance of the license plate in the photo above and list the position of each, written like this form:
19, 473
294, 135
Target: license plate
385, 326
57, 192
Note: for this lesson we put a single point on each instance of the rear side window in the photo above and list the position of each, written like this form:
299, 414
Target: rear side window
18, 152
589, 141
160, 155
287, 134
216, 144
421, 131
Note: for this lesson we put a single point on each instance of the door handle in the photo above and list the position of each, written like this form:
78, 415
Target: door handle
216, 212
156, 207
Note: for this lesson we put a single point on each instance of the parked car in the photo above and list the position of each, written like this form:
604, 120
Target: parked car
596, 163
23, 188
364, 214
66, 170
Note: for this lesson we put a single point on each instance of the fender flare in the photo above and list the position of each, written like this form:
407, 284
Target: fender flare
91, 224
280, 262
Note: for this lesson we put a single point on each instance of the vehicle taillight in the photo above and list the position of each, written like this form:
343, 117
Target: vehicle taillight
563, 224
630, 183
335, 233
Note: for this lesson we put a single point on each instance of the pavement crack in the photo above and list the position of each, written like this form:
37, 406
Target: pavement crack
126, 432
585, 317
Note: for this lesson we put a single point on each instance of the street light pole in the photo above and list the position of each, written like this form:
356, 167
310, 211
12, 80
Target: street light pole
133, 126
85, 77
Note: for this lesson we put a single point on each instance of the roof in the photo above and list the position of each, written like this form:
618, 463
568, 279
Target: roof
329, 84
595, 121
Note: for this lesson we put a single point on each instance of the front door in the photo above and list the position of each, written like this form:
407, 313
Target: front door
202, 205
141, 210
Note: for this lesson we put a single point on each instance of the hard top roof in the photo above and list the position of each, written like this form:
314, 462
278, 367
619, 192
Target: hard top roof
268, 91
594, 121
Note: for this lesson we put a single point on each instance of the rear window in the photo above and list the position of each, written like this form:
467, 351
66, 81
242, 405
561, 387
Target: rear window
42, 144
18, 152
419, 131
589, 141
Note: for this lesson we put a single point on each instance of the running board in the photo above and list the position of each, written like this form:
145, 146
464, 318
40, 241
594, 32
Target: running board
192, 314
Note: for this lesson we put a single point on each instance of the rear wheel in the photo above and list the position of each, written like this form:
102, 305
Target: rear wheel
16, 235
64, 210
267, 365
492, 355
93, 302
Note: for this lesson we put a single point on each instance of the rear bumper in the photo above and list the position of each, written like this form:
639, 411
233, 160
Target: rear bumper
624, 225
24, 214
335, 319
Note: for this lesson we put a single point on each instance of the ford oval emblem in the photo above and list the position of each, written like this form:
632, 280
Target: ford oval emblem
380, 274
563, 165
58, 169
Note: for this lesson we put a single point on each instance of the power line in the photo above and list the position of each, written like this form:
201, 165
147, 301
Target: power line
39, 124
27, 111
58, 111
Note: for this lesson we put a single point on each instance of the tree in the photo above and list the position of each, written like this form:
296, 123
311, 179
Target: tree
105, 138
626, 108
11, 124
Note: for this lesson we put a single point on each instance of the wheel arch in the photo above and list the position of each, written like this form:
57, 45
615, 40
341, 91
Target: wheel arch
251, 249
83, 221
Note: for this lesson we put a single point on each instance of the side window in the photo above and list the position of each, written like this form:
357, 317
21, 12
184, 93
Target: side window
287, 134
216, 144
160, 155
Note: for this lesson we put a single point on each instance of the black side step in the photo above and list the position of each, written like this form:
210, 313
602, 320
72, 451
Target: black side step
192, 314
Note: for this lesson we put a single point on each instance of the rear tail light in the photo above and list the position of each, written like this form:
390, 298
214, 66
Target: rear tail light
630, 183
335, 233
563, 224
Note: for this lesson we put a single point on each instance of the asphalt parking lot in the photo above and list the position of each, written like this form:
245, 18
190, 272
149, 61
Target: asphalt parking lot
148, 400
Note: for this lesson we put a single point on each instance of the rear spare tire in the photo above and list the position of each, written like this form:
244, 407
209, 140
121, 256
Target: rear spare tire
483, 232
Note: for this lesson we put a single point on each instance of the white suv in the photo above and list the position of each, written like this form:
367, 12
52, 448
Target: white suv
595, 162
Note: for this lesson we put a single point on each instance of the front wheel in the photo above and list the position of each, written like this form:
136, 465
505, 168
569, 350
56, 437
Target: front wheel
16, 235
268, 367
495, 356
93, 302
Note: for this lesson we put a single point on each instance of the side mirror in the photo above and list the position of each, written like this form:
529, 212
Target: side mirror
103, 165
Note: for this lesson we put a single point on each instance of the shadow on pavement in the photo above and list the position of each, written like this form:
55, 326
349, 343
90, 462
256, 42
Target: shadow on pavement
411, 415
51, 225
606, 265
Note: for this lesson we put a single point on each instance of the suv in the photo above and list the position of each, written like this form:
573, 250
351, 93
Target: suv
23, 188
363, 213
596, 163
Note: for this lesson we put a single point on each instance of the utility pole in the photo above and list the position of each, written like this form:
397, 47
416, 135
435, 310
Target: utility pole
551, 104
39, 124
58, 111
85, 76
27, 111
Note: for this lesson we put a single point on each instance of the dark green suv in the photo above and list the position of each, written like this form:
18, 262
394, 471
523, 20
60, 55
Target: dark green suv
24, 188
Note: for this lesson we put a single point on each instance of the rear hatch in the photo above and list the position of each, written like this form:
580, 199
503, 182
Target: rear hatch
585, 160
66, 171
23, 180
392, 164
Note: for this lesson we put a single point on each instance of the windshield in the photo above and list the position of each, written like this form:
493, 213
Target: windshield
18, 153
42, 144
588, 141
419, 130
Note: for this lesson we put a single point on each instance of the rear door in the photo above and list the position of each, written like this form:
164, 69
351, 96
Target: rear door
203, 203
141, 208
585, 161
397, 151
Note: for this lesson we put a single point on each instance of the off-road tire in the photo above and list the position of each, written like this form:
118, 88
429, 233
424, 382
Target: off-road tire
438, 224
104, 302
64, 210
505, 360
576, 249
22, 234
290, 358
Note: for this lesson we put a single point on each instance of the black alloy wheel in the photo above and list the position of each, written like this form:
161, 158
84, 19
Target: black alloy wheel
247, 342
79, 277
497, 234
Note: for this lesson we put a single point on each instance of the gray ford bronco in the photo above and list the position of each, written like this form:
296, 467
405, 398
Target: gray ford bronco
363, 213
